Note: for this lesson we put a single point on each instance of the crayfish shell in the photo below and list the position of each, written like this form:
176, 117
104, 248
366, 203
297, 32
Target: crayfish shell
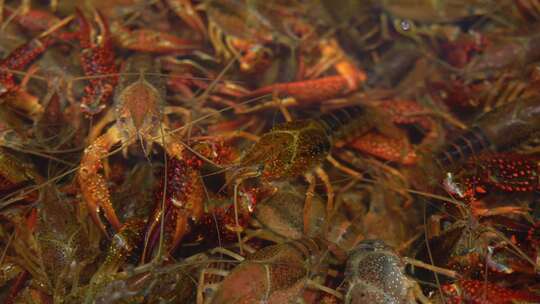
375, 275
290, 149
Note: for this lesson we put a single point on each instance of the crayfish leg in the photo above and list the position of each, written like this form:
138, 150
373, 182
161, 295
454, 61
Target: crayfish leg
308, 203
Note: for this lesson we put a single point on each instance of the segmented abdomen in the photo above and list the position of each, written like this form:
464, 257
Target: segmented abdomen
468, 144
497, 129
345, 122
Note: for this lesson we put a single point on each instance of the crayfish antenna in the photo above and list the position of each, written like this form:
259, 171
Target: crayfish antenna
240, 173
146, 146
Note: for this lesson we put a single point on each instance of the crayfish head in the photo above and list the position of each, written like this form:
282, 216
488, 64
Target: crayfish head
289, 150
138, 101
139, 105
269, 156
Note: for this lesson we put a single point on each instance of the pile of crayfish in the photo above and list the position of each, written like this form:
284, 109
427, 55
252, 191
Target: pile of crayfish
235, 151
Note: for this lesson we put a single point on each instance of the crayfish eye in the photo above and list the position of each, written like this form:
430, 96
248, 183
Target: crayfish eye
123, 120
405, 25
154, 120
260, 169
